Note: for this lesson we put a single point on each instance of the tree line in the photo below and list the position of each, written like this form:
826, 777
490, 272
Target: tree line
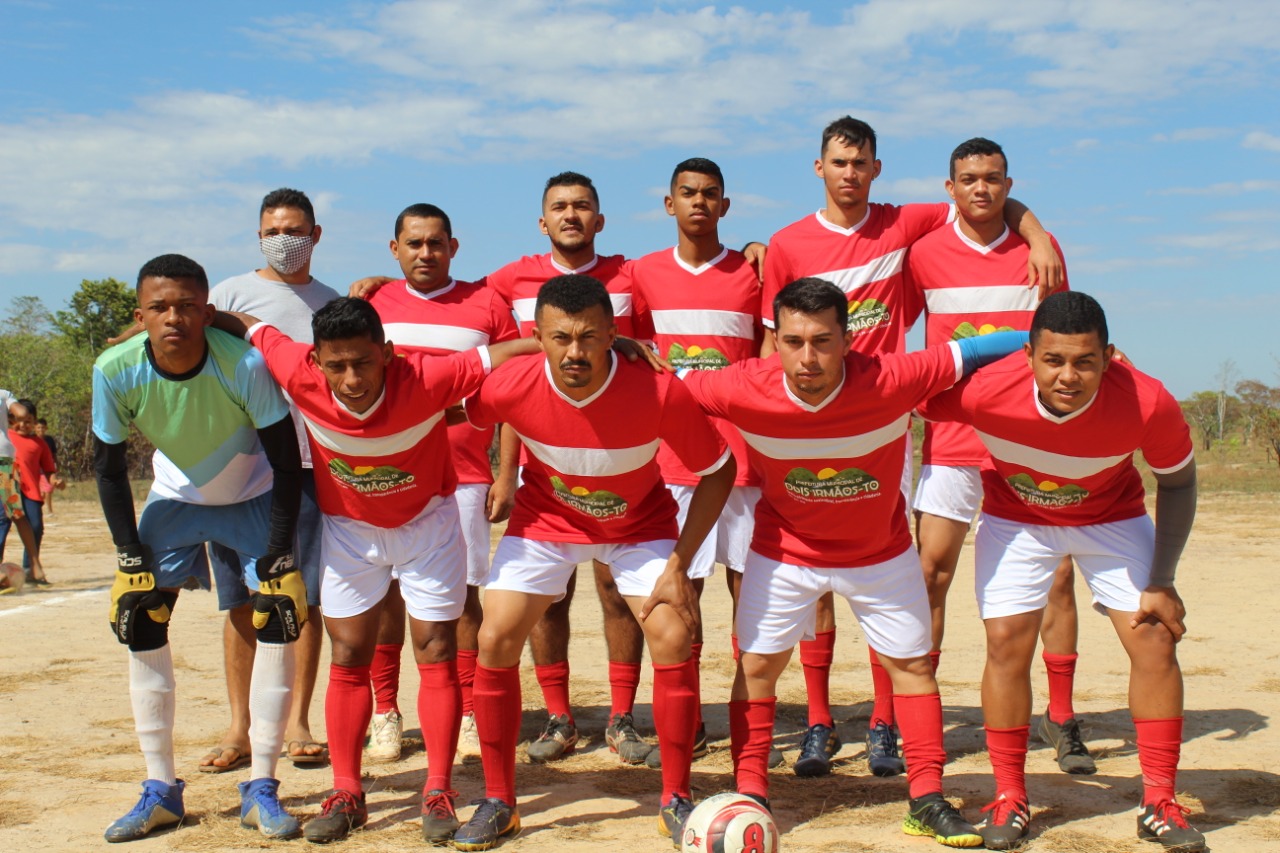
47, 357
1244, 410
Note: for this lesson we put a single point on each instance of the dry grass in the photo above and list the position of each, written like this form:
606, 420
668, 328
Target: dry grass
1267, 685
16, 813
1254, 791
1061, 840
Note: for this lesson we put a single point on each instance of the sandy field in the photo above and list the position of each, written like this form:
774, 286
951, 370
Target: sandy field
69, 762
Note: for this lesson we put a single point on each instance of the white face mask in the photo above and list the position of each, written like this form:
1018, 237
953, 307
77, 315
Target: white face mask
285, 253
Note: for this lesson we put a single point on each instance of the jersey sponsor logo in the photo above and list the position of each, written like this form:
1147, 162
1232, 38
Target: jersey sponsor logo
830, 485
367, 479
696, 358
968, 330
1046, 494
867, 315
601, 505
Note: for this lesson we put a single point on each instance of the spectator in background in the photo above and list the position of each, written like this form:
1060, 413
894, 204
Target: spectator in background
32, 459
49, 484
10, 494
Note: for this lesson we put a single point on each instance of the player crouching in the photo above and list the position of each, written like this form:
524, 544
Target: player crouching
592, 489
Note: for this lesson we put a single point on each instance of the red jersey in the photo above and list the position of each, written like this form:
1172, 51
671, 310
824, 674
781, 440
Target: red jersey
1072, 470
592, 475
519, 281
385, 465
864, 261
703, 318
832, 472
967, 289
32, 457
459, 316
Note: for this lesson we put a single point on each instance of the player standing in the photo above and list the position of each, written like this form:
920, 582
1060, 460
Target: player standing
972, 279
592, 490
432, 312
206, 401
859, 246
284, 294
824, 426
1063, 484
376, 424
700, 304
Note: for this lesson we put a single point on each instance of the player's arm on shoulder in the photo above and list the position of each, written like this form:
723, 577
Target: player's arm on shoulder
234, 322
1175, 512
1045, 269
756, 252
366, 287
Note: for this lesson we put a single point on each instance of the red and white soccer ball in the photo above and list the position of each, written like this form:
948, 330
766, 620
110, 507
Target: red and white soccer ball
13, 577
729, 823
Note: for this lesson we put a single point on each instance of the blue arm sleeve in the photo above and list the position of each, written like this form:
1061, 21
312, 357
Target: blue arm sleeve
984, 349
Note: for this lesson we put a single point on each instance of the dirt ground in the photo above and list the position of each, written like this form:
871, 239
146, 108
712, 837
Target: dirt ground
69, 762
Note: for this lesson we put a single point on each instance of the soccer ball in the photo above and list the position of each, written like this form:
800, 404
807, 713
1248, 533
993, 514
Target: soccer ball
12, 577
729, 823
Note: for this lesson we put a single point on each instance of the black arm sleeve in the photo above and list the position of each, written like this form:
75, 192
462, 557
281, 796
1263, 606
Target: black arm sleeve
111, 470
280, 443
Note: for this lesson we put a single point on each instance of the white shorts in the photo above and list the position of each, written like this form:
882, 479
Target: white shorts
426, 555
1015, 563
778, 603
950, 491
544, 568
729, 541
471, 498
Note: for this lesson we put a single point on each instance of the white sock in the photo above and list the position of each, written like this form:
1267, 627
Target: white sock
151, 687
270, 693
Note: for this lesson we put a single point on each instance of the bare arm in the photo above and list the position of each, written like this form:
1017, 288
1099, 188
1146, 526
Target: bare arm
366, 287
1044, 267
502, 494
234, 322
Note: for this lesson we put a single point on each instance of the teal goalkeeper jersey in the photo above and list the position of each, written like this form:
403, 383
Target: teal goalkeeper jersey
204, 423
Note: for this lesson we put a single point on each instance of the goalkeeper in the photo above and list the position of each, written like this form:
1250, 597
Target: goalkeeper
228, 472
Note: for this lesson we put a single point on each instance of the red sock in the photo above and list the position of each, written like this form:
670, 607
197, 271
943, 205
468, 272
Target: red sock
750, 736
1007, 749
553, 678
440, 714
386, 677
920, 721
733, 644
1159, 746
498, 704
348, 707
815, 657
467, 677
1062, 678
624, 680
934, 657
882, 710
695, 652
675, 707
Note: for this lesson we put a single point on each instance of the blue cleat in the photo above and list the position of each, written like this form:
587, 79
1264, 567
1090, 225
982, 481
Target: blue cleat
160, 806
260, 809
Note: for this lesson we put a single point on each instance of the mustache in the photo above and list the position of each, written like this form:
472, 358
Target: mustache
567, 363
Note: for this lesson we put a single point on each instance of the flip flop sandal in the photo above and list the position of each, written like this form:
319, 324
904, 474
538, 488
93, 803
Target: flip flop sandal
241, 759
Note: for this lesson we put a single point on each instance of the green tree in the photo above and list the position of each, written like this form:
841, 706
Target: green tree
27, 315
100, 309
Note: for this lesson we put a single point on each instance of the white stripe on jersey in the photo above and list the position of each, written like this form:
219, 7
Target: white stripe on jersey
434, 336
852, 278
981, 300
524, 308
720, 324
841, 447
384, 445
1068, 467
591, 461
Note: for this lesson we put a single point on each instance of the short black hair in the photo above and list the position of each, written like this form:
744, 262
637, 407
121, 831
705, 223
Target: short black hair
423, 211
1069, 312
571, 179
977, 147
29, 405
812, 296
286, 197
699, 166
850, 131
42, 422
344, 318
175, 267
573, 294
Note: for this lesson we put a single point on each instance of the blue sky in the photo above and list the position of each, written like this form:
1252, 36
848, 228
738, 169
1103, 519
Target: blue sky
1146, 135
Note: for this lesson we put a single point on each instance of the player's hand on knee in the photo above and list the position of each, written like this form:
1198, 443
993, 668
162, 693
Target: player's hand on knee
1163, 606
134, 592
675, 590
281, 591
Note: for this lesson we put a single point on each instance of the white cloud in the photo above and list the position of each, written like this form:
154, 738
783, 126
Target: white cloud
1226, 188
1193, 134
913, 189
1263, 141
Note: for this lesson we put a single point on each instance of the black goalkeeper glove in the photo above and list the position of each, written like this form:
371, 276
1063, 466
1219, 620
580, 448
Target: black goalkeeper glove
134, 592
280, 590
